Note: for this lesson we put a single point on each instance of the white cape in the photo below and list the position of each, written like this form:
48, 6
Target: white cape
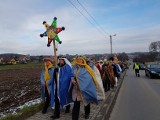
100, 90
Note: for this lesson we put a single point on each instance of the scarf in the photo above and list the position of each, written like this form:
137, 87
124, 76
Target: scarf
88, 68
46, 73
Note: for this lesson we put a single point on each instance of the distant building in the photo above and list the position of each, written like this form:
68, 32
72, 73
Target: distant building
13, 61
9, 61
22, 59
1, 60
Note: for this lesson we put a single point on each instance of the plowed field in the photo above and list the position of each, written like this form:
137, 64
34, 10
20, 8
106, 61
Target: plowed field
18, 86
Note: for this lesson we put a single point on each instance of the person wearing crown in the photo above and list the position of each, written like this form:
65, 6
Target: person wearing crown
83, 87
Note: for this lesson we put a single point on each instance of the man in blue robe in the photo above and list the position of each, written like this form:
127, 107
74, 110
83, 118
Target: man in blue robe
62, 86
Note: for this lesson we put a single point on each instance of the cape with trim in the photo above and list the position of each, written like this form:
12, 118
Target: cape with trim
100, 89
49, 85
86, 85
64, 79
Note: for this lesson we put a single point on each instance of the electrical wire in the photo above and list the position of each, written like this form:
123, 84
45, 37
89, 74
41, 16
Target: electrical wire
91, 17
99, 30
80, 12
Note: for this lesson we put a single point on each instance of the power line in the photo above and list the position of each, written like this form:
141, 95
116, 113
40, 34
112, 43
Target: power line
99, 30
81, 13
91, 17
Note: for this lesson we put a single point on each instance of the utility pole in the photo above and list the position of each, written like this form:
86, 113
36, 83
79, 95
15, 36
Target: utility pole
111, 42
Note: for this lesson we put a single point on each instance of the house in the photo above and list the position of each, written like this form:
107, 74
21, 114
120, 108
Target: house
13, 61
9, 61
1, 60
22, 59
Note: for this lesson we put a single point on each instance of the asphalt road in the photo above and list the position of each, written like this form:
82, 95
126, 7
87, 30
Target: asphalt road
138, 98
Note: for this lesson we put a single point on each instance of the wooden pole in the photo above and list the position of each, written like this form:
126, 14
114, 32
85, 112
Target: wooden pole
55, 54
56, 66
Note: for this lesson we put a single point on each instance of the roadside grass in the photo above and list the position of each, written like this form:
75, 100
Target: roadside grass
19, 66
24, 113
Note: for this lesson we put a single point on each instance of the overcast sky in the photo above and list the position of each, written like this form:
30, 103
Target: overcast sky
136, 24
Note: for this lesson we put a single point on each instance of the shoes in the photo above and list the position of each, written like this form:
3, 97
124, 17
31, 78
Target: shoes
112, 86
67, 111
86, 116
44, 110
55, 116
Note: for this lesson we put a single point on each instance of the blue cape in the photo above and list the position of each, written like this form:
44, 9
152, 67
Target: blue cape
86, 85
49, 84
65, 75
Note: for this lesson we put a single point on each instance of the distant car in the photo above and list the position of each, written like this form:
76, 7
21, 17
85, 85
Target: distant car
142, 66
153, 70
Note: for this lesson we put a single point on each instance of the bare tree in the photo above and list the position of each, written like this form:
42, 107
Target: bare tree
154, 46
147, 57
123, 57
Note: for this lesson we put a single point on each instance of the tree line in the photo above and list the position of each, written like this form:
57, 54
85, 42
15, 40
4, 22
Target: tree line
152, 56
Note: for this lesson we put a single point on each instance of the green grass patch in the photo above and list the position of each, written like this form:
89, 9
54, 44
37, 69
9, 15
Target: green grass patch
19, 66
24, 113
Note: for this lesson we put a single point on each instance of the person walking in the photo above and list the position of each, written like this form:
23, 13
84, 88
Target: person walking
136, 68
111, 74
115, 69
83, 87
62, 86
47, 80
108, 77
100, 89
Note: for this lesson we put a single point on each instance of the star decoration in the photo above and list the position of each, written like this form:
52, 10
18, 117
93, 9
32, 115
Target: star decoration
52, 32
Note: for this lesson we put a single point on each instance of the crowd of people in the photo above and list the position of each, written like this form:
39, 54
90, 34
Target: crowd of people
82, 81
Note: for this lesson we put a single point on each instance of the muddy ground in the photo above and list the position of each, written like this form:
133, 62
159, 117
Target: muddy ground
18, 86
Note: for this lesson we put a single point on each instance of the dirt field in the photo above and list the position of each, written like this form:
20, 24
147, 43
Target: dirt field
18, 86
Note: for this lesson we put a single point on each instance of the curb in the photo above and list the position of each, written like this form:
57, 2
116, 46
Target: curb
107, 106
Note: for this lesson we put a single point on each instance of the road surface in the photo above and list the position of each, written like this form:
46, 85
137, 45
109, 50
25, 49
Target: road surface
138, 98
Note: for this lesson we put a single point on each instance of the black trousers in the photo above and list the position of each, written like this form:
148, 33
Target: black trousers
106, 83
47, 100
57, 106
57, 102
137, 72
76, 110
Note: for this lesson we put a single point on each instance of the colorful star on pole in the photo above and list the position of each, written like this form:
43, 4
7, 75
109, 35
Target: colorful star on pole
52, 31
